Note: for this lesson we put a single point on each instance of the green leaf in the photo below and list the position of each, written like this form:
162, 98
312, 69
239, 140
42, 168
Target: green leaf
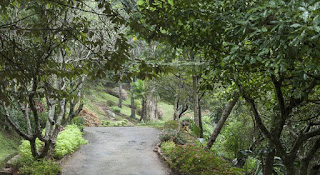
295, 25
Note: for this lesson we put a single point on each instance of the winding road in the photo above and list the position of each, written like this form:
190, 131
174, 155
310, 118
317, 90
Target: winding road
117, 151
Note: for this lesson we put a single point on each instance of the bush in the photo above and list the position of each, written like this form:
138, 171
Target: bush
137, 104
116, 109
79, 121
31, 167
168, 147
68, 141
105, 122
173, 135
172, 124
192, 159
116, 123
139, 111
111, 103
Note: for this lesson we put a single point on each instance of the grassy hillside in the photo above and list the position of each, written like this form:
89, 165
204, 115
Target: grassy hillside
9, 146
96, 101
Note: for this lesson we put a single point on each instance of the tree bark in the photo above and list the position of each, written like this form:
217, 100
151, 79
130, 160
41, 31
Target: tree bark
200, 119
268, 166
304, 165
223, 118
120, 95
133, 107
196, 102
176, 108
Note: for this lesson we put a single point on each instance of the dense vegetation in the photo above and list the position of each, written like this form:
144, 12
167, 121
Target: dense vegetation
243, 76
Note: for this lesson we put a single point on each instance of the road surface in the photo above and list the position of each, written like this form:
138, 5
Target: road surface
117, 151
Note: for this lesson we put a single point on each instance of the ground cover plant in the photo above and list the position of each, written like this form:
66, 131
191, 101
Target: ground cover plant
68, 141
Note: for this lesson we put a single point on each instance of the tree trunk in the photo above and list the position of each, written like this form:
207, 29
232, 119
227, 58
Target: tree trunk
268, 166
143, 110
133, 107
176, 108
120, 95
33, 147
195, 101
304, 165
150, 109
223, 118
200, 120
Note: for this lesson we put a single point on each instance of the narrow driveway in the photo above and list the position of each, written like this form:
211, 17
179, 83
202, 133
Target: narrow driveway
117, 151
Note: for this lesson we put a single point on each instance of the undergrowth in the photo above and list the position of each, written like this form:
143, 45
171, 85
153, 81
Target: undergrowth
68, 141
193, 159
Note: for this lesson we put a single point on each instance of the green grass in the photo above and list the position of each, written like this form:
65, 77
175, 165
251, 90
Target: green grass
167, 111
99, 96
8, 146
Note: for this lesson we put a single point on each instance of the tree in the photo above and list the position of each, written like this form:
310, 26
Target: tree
47, 49
269, 49
275, 61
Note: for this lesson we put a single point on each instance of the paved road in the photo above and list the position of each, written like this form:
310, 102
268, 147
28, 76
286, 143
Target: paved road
117, 151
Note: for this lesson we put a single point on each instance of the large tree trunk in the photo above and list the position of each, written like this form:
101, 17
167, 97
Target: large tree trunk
150, 108
225, 114
268, 166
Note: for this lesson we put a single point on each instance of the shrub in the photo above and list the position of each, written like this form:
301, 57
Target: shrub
111, 103
173, 135
168, 147
137, 104
139, 111
116, 123
41, 167
192, 159
172, 124
116, 109
68, 141
124, 122
79, 121
105, 122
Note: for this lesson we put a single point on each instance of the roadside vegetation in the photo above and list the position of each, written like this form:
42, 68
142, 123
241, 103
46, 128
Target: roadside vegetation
240, 77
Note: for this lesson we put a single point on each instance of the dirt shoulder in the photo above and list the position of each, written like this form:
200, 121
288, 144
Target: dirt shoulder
117, 151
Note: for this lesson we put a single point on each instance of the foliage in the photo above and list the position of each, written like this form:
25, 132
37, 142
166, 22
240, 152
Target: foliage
138, 89
193, 159
157, 124
137, 104
68, 141
171, 124
111, 103
167, 147
207, 125
239, 134
79, 121
9, 145
116, 109
38, 167
114, 123
179, 137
